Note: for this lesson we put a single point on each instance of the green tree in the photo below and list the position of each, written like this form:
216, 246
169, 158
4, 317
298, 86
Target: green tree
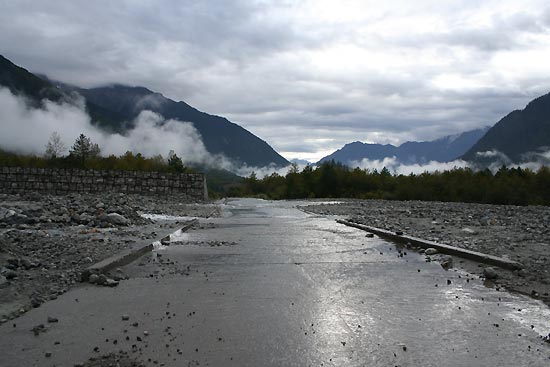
83, 149
175, 163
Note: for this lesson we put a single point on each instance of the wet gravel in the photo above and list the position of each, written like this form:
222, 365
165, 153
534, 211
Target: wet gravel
46, 241
519, 233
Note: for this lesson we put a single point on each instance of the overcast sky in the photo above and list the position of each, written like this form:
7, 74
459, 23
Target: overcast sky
306, 76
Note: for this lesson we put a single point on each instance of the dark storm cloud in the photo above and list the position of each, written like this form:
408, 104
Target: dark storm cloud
306, 76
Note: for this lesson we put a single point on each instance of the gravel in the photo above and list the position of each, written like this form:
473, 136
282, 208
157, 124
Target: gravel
46, 241
519, 233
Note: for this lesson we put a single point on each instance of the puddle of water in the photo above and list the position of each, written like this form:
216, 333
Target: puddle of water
534, 314
156, 217
322, 202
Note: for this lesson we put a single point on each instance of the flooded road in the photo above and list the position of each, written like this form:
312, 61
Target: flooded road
269, 285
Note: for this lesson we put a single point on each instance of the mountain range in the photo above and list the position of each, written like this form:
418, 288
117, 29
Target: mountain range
520, 136
114, 108
444, 149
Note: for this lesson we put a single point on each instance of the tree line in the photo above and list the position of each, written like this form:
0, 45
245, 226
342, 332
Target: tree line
514, 186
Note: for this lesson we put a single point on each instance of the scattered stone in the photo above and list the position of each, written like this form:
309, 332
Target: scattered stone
125, 317
431, 251
52, 320
10, 274
469, 231
36, 302
114, 218
111, 282
102, 279
446, 262
39, 329
93, 279
490, 273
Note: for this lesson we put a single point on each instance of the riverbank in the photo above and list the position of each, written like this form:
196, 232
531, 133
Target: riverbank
518, 233
47, 241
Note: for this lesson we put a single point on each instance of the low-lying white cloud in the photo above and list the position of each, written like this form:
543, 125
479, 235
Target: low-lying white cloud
27, 130
261, 172
396, 167
496, 158
530, 160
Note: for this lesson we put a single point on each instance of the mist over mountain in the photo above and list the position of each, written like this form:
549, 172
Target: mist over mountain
220, 136
116, 108
138, 119
521, 136
445, 149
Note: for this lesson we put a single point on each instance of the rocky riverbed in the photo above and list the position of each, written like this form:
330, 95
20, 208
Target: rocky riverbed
47, 241
519, 233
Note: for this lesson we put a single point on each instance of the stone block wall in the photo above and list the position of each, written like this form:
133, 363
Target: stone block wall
63, 181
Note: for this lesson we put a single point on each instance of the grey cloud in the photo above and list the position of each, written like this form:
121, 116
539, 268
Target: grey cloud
499, 33
252, 62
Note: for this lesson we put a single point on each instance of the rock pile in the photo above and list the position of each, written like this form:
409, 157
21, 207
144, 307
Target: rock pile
46, 241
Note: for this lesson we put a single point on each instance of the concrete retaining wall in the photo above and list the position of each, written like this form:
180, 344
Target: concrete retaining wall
63, 181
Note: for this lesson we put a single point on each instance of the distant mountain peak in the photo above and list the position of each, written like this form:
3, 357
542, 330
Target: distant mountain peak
443, 149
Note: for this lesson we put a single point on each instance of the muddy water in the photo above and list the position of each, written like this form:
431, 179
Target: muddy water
269, 285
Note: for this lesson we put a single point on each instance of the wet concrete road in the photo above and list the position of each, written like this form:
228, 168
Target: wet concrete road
268, 285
